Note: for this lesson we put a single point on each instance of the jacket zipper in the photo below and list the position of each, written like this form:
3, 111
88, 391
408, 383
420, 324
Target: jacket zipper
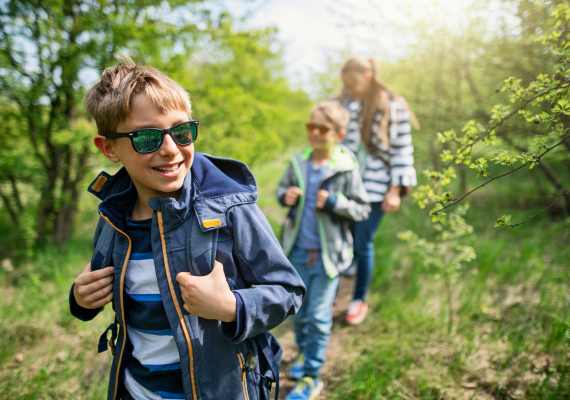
121, 303
243, 376
177, 305
299, 213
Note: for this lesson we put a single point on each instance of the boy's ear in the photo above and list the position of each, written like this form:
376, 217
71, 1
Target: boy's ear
105, 146
341, 134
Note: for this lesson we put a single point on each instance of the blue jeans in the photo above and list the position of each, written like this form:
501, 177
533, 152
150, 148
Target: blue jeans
364, 250
313, 322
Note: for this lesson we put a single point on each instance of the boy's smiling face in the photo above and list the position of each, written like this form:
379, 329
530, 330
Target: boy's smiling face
153, 174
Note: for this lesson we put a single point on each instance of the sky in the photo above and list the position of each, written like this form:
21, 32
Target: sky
314, 32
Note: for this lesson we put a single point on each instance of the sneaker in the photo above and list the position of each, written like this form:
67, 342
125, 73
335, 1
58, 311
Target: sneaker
356, 313
297, 370
307, 389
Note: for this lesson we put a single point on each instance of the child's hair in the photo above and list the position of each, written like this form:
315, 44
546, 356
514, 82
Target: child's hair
377, 99
109, 101
334, 112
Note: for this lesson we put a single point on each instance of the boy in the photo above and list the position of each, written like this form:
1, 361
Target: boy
197, 277
325, 192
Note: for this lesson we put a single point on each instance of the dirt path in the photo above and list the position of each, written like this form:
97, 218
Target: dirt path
341, 338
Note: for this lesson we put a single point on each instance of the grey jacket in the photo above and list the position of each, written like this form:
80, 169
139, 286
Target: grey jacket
347, 202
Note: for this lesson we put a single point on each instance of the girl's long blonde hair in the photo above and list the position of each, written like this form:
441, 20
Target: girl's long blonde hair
376, 99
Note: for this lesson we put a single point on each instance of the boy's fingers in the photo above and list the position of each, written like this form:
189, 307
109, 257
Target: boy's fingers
183, 278
91, 276
102, 302
99, 294
218, 271
94, 286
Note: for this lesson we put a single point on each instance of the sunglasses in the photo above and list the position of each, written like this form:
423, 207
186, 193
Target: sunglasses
323, 129
149, 140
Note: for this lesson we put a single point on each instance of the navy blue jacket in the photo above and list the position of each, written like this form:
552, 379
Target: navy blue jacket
215, 216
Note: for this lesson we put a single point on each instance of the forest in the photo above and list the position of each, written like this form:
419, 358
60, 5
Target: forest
471, 295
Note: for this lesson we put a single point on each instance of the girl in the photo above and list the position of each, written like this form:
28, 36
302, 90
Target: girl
379, 134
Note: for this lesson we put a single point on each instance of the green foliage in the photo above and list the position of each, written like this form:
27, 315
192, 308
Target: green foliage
240, 95
512, 323
529, 123
247, 108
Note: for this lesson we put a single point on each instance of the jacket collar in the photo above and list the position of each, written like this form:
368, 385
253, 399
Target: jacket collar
212, 186
342, 160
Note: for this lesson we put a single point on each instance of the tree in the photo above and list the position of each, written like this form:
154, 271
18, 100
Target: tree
50, 50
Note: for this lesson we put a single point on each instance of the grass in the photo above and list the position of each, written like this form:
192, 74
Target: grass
512, 338
42, 345
511, 341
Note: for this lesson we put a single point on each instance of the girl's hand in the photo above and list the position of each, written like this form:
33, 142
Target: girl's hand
392, 200
292, 195
208, 296
93, 289
322, 196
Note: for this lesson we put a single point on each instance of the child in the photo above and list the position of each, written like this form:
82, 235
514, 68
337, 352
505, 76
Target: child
323, 188
380, 136
197, 277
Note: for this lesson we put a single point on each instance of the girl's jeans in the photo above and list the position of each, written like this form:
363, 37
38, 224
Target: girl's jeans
364, 250
313, 322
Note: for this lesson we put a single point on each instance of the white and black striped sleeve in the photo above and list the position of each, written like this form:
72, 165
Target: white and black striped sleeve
402, 170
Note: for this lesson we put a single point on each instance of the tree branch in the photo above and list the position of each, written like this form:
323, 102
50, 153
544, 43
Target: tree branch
513, 112
14, 217
494, 178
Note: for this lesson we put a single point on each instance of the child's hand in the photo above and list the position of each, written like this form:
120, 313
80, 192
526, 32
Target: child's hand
208, 296
93, 289
392, 201
322, 196
292, 195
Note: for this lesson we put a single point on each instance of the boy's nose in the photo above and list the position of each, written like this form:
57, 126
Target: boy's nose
168, 146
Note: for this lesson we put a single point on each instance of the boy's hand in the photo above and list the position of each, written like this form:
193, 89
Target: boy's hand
208, 296
292, 195
93, 289
322, 196
392, 200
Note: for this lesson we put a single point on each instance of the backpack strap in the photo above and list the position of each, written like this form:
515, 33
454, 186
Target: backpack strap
104, 342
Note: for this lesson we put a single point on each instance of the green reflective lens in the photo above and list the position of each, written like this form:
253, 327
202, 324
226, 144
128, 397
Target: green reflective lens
147, 140
185, 133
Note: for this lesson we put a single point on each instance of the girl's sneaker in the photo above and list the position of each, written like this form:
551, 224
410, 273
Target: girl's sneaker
306, 389
356, 313
297, 370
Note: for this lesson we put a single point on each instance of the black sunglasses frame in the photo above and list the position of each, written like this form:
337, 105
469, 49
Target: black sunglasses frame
132, 135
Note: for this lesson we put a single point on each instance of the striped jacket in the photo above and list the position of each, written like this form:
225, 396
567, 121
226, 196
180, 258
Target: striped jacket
395, 167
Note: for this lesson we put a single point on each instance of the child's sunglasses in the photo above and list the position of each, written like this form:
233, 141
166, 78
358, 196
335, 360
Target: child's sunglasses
149, 140
323, 129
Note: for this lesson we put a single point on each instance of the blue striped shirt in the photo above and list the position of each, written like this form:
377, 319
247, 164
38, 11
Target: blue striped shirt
152, 360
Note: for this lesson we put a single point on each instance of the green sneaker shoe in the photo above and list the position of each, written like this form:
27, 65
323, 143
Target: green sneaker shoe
297, 369
307, 388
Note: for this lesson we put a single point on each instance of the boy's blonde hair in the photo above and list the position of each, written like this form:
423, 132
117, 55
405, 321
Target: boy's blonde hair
334, 112
109, 101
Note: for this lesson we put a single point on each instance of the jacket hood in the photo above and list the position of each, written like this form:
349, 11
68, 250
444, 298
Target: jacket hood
342, 159
212, 186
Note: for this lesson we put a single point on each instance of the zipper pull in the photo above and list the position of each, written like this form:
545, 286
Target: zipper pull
251, 362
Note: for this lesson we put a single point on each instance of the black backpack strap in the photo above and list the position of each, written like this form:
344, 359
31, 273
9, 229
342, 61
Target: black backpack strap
270, 353
104, 341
